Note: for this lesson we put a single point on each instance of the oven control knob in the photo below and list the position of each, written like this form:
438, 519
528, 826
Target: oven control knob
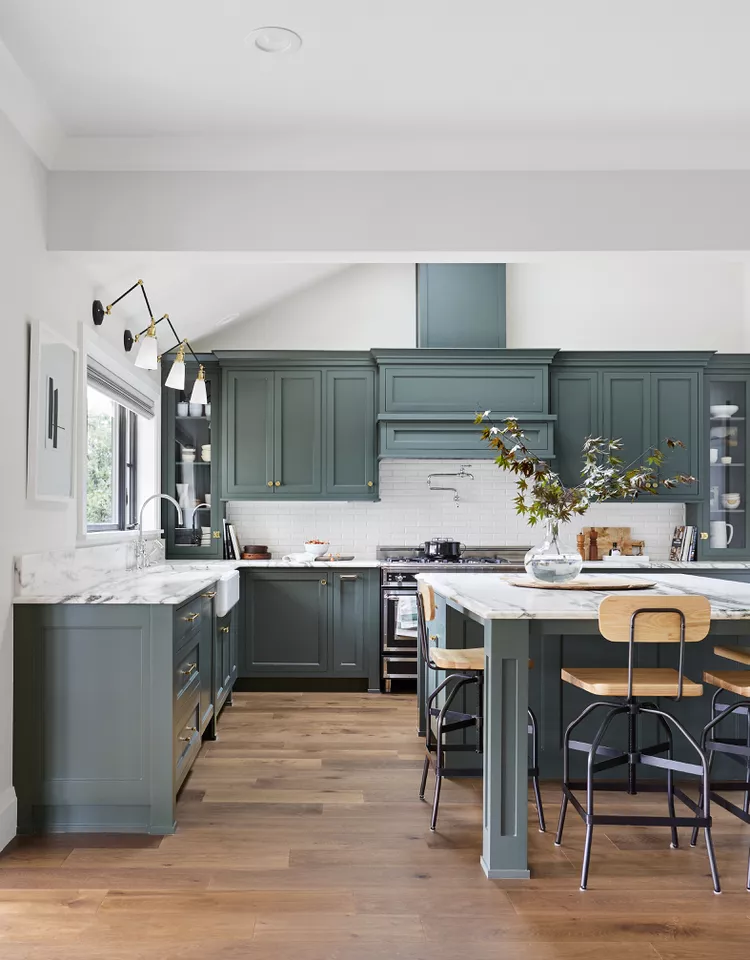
399, 578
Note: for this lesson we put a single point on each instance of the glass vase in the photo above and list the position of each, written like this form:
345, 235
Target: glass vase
554, 560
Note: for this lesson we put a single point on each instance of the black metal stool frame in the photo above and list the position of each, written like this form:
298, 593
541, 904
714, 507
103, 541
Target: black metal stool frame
647, 756
736, 750
450, 720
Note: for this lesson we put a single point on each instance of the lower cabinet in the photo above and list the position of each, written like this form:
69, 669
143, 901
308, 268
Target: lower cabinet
303, 623
225, 658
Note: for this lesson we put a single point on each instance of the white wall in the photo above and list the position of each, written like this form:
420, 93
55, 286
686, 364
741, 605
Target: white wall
408, 513
364, 306
628, 303
35, 284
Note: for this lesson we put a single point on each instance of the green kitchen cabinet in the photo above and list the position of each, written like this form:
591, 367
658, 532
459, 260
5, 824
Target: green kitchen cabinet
225, 658
350, 469
574, 396
461, 305
722, 519
192, 482
637, 397
305, 431
286, 622
248, 433
311, 623
431, 439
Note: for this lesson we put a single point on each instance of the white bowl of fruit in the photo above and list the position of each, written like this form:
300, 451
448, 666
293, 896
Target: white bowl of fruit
316, 548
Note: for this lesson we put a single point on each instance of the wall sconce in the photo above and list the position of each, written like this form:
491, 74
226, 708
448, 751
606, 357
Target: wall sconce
148, 356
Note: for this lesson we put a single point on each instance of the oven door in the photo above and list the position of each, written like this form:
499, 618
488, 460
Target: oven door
399, 632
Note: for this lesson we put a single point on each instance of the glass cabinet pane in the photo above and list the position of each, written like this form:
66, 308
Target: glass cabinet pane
193, 471
727, 464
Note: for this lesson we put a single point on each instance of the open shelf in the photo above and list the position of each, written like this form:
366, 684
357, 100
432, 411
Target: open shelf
732, 464
193, 418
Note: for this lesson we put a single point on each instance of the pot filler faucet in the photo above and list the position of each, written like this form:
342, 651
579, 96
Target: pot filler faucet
463, 474
140, 547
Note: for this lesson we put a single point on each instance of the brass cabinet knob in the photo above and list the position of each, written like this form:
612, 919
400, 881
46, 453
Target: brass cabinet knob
370, 483
217, 534
270, 483
278, 483
323, 583
434, 636
209, 596
704, 535
225, 630
189, 668
190, 617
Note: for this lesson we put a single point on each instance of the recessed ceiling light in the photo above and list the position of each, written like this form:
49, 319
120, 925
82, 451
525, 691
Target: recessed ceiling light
275, 40
230, 318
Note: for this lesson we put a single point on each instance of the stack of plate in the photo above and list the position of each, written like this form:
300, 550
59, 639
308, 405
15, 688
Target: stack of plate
205, 536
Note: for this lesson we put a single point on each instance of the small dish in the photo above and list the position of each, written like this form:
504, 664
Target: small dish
316, 548
730, 501
726, 460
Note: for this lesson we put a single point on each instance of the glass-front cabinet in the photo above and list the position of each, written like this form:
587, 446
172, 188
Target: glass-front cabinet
190, 437
722, 517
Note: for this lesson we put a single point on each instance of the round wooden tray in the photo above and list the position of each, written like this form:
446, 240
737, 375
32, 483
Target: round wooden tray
597, 582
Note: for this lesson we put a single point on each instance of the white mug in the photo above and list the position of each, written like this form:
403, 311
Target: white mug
721, 534
713, 455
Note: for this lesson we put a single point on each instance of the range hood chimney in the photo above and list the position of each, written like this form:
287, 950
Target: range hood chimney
461, 305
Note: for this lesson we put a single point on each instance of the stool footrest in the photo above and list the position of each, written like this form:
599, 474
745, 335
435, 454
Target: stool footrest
727, 804
636, 821
731, 746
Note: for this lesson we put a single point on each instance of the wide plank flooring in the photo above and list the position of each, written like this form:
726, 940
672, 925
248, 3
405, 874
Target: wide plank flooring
301, 838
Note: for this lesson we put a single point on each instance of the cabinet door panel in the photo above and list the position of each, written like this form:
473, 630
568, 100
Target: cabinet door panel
348, 623
286, 618
297, 416
248, 434
575, 400
461, 304
626, 411
350, 433
675, 412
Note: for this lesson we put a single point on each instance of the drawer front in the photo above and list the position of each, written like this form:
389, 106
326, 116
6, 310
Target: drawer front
187, 673
187, 742
451, 439
189, 616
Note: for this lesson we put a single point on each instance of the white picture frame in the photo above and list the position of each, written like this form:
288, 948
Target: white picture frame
52, 417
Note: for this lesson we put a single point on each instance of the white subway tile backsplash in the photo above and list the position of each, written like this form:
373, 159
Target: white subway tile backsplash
409, 513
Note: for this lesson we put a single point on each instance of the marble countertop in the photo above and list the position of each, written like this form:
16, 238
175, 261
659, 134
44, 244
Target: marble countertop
634, 564
168, 583
492, 597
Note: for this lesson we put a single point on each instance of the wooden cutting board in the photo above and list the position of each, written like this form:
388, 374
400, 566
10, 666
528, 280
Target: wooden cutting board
587, 583
606, 536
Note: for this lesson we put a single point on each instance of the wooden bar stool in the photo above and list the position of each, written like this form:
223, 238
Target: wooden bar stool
738, 683
465, 668
640, 620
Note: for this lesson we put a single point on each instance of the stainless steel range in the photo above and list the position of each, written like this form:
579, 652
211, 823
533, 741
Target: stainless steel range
400, 565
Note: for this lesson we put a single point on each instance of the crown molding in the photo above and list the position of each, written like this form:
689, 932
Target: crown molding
26, 110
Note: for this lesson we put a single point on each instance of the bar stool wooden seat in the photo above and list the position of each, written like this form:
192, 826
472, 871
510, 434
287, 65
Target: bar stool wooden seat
738, 683
632, 620
466, 669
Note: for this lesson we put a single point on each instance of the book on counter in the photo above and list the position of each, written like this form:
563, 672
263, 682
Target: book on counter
231, 542
684, 544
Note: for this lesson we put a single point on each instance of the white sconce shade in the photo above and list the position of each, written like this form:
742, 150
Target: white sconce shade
176, 377
148, 351
199, 394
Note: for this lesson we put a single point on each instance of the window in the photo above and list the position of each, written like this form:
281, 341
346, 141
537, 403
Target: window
112, 453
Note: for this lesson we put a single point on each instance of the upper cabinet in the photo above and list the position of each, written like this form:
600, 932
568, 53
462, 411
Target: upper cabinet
461, 305
303, 431
640, 398
189, 468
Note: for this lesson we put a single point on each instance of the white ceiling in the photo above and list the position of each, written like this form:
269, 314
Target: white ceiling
195, 290
170, 83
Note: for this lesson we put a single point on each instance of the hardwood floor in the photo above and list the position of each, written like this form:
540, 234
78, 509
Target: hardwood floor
301, 838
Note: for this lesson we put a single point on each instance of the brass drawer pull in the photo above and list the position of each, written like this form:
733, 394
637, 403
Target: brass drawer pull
189, 669
225, 630
186, 739
209, 596
190, 617
349, 576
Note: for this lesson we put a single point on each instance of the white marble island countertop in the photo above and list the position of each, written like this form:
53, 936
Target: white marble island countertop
491, 596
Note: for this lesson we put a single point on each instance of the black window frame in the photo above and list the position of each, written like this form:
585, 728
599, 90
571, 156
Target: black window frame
126, 479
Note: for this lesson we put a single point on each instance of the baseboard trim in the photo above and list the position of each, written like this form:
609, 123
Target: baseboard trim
503, 874
8, 816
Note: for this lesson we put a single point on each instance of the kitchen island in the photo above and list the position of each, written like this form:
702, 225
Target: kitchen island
554, 628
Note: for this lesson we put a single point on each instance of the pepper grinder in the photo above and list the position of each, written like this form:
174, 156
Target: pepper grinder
580, 546
593, 545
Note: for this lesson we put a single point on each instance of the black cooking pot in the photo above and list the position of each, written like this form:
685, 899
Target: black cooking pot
442, 549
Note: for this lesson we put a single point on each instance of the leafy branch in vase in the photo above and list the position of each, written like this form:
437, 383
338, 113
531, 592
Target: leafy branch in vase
542, 495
